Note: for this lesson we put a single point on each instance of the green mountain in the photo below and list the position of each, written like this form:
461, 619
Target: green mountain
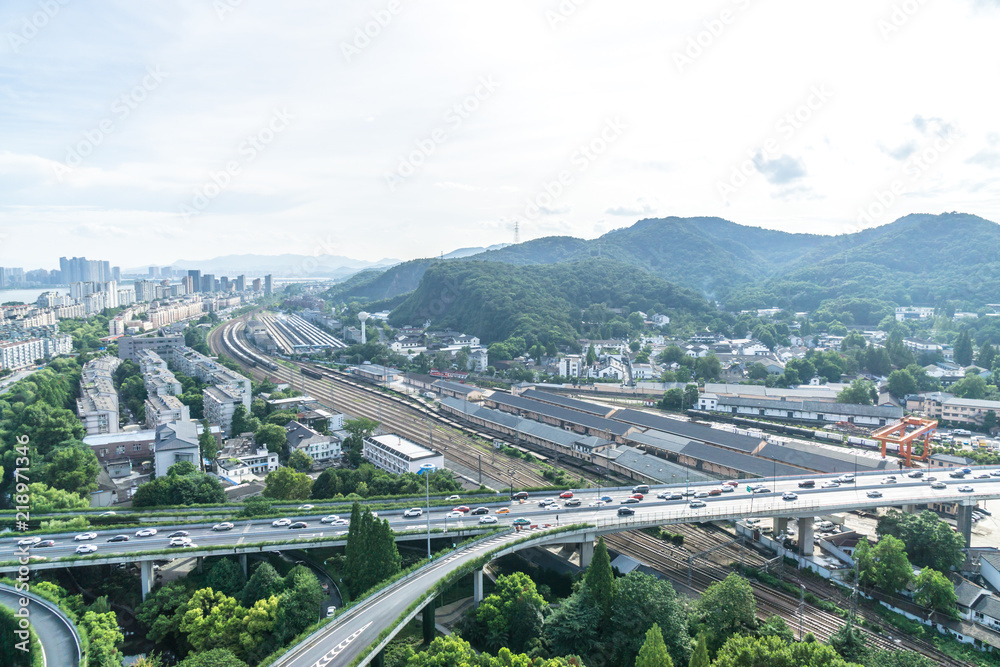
542, 303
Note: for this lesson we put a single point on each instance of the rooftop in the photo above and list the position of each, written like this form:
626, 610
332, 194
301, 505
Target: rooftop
405, 448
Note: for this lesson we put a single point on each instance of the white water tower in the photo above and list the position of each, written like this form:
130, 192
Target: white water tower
363, 316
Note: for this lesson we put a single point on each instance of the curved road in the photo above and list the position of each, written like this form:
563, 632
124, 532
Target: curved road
60, 645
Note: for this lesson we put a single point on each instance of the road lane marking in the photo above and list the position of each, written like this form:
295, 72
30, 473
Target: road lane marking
339, 648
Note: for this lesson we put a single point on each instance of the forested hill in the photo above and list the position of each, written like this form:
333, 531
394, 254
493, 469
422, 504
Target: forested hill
918, 259
496, 301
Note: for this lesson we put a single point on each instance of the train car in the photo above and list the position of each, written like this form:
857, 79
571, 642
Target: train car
309, 372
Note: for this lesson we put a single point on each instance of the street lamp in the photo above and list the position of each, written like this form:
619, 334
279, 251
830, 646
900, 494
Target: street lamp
426, 470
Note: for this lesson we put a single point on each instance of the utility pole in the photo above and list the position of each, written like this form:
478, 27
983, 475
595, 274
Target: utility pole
480, 469
802, 608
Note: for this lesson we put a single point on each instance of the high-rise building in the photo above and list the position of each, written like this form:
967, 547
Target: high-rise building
188, 282
241, 283
116, 274
224, 283
3, 277
268, 287
154, 272
145, 290
195, 276
208, 283
256, 284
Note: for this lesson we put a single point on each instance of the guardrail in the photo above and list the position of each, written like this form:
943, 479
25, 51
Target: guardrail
55, 610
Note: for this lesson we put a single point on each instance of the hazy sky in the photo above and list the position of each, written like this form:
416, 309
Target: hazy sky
146, 132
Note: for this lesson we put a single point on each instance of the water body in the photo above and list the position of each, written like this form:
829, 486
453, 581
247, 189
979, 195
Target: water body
28, 295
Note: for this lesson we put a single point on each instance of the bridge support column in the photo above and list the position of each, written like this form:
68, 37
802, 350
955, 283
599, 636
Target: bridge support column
806, 535
243, 563
201, 564
910, 509
146, 577
586, 553
430, 630
964, 520
477, 587
781, 525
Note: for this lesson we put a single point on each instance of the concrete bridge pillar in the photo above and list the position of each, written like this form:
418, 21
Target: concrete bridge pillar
586, 552
477, 587
806, 535
781, 525
243, 562
146, 577
910, 509
964, 520
430, 629
201, 564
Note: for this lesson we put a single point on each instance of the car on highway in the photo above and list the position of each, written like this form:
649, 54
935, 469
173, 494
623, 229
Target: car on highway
688, 493
330, 518
461, 508
845, 479
345, 522
597, 503
546, 501
727, 489
831, 484
967, 471
178, 533
963, 489
982, 475
553, 506
145, 532
888, 480
86, 549
606, 499
573, 502
29, 541
874, 494
957, 474
85, 536
701, 494
916, 474
807, 484
637, 496
629, 501
696, 503
788, 495
995, 473
762, 489
452, 498
118, 538
180, 541
413, 512
625, 511
566, 494
502, 510
306, 507
330, 611
930, 478
939, 485
298, 525
225, 525
455, 515
733, 483
479, 511
51, 543
108, 513
521, 521
520, 495
487, 519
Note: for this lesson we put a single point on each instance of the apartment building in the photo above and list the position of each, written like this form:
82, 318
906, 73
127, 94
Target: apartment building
21, 353
242, 460
398, 455
97, 406
165, 409
219, 405
320, 447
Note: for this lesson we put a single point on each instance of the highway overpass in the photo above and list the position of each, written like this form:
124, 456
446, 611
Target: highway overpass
57, 635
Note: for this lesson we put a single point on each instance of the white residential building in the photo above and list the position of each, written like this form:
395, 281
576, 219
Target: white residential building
176, 442
399, 455
571, 365
913, 313
97, 406
22, 353
319, 447
241, 460
165, 409
219, 406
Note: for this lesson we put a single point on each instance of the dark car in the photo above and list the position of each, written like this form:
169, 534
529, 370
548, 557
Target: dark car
178, 533
520, 495
625, 511
916, 474
630, 501
480, 510
118, 538
299, 524
52, 543
807, 484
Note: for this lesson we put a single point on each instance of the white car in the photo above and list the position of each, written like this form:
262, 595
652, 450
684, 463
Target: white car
86, 549
342, 522
330, 611
225, 525
330, 519
279, 523
413, 512
701, 494
488, 518
306, 507
145, 532
831, 485
29, 541
450, 498
888, 480
596, 503
85, 536
109, 513
180, 541
788, 495
454, 515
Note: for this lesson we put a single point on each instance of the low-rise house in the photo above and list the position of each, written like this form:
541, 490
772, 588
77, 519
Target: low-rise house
242, 460
176, 442
321, 448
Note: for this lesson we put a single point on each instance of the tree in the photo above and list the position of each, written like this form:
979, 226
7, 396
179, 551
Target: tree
13, 656
273, 437
256, 506
757, 371
241, 420
183, 485
640, 601
157, 615
672, 399
860, 392
963, 349
932, 589
897, 658
226, 576
690, 396
600, 579
208, 443
592, 355
211, 619
849, 642
72, 467
46, 499
971, 386
929, 541
776, 626
300, 460
746, 651
654, 652
286, 484
864, 560
574, 626
218, 657
300, 604
987, 353
102, 629
699, 658
513, 613
726, 608
892, 569
708, 368
901, 383
264, 582
989, 421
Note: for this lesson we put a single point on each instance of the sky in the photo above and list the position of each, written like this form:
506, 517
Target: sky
145, 133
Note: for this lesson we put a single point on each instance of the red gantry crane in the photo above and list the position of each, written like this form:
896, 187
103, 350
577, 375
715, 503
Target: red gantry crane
900, 433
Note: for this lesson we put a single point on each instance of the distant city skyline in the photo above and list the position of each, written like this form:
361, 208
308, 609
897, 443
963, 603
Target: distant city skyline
193, 130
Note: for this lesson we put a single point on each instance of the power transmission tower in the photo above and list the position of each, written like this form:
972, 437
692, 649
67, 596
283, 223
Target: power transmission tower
517, 232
